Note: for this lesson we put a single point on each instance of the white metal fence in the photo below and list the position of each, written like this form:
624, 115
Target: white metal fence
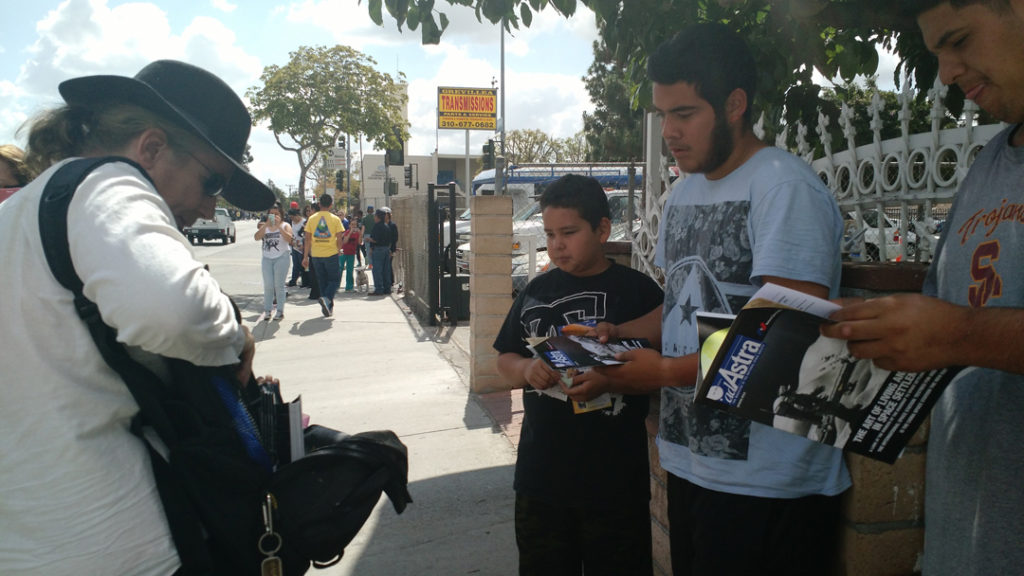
910, 179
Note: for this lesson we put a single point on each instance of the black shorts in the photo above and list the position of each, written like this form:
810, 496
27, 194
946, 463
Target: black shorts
715, 533
562, 541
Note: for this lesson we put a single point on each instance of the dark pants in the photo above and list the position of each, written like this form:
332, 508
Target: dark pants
379, 256
389, 271
297, 270
328, 273
714, 533
563, 541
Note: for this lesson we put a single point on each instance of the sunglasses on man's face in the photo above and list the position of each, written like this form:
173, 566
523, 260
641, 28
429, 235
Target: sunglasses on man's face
213, 185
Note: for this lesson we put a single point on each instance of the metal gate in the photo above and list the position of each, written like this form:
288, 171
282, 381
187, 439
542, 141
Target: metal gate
447, 291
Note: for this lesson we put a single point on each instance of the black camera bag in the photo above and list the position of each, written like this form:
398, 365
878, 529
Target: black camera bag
227, 506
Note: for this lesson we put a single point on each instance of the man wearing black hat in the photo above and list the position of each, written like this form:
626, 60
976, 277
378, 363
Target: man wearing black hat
77, 493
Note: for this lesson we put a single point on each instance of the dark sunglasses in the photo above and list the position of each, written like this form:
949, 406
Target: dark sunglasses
214, 183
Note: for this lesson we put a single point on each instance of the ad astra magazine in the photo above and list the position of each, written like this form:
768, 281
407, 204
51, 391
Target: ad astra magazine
570, 354
772, 365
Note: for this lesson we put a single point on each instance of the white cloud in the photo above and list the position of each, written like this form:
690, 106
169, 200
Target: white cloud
469, 55
83, 37
224, 6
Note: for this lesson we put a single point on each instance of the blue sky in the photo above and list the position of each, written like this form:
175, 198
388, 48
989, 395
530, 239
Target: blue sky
45, 42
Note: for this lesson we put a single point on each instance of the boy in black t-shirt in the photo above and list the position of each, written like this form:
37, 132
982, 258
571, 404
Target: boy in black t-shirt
582, 481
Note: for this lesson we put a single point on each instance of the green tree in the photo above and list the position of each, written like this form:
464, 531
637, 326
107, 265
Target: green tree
572, 149
614, 132
528, 146
321, 94
790, 39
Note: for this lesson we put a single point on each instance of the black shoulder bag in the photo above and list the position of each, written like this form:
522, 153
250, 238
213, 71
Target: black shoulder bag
230, 507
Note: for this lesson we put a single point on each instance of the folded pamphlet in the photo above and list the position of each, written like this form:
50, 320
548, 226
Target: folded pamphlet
571, 354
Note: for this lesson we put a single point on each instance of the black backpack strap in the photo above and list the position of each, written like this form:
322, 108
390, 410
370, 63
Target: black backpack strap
186, 528
53, 229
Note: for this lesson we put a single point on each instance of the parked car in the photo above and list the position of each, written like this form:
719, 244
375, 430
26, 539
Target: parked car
220, 227
528, 228
870, 230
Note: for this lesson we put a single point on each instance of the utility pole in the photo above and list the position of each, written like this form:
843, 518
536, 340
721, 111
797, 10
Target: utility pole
501, 188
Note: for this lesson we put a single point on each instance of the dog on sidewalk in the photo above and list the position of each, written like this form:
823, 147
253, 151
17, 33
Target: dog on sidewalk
362, 281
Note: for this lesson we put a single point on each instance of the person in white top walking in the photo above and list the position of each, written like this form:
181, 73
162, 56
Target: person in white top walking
276, 235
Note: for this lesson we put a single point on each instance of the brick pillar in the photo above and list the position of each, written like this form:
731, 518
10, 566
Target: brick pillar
883, 513
490, 286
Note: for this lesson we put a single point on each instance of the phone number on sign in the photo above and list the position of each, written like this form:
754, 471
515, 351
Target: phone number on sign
466, 124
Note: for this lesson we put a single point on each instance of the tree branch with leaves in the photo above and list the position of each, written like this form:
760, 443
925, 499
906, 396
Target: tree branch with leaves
323, 93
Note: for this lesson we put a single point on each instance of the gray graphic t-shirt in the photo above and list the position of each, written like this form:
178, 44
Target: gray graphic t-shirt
718, 239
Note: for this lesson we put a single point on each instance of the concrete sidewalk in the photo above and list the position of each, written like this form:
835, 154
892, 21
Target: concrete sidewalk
373, 366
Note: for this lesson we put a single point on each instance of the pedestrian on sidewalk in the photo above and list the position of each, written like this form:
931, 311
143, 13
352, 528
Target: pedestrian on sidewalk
380, 251
276, 235
357, 221
77, 489
389, 262
314, 284
298, 233
368, 222
582, 480
323, 242
350, 240
971, 310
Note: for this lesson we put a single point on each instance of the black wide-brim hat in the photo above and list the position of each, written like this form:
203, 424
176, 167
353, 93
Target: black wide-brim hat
189, 97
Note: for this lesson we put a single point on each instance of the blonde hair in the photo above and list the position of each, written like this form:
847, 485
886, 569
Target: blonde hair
15, 158
71, 131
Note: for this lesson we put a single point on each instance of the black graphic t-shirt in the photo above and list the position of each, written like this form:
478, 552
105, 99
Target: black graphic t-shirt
594, 459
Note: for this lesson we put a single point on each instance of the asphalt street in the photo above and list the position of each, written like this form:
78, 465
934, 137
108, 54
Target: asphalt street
374, 366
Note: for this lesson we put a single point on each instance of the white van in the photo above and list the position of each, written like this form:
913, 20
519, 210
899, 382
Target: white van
221, 227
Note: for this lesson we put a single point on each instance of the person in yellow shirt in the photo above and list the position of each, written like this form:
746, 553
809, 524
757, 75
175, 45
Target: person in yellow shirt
323, 241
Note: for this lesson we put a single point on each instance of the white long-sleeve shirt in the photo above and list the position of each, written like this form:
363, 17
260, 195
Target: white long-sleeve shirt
77, 494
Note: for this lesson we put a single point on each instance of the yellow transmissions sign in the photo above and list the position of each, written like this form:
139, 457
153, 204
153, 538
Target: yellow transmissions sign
467, 108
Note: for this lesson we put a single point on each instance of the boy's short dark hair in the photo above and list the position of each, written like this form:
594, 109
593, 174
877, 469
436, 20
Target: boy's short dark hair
583, 193
326, 201
711, 57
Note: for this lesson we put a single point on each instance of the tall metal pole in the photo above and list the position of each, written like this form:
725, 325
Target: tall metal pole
503, 190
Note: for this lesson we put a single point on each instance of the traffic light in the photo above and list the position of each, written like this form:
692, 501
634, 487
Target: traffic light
488, 158
395, 157
339, 179
408, 176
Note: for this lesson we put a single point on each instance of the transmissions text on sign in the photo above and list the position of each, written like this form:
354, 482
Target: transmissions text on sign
467, 108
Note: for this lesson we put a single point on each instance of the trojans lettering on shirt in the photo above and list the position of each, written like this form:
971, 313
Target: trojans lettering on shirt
987, 282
